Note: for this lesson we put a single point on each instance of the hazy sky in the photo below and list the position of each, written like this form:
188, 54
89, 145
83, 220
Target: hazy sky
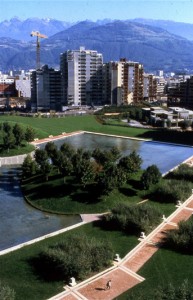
77, 10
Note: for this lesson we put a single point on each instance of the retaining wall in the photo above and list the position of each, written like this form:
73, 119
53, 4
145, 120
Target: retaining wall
12, 160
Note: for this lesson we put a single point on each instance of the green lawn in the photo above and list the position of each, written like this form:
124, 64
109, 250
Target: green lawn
54, 126
71, 198
163, 268
17, 269
47, 126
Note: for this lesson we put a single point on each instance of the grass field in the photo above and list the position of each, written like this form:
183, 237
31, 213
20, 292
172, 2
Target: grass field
71, 198
54, 126
163, 268
19, 273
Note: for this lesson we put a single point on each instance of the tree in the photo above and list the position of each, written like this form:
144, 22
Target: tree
150, 176
64, 164
29, 134
18, 134
7, 127
46, 168
51, 149
131, 163
29, 166
87, 173
67, 150
111, 177
41, 158
8, 141
106, 157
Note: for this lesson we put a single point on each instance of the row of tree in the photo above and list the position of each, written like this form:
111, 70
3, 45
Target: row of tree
14, 135
106, 169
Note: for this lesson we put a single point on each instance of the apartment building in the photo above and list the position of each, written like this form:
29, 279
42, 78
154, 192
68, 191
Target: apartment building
23, 86
46, 90
149, 87
82, 80
7, 86
124, 82
181, 92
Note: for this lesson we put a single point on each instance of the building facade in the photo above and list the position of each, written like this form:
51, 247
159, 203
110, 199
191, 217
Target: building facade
7, 86
124, 82
46, 90
149, 87
82, 79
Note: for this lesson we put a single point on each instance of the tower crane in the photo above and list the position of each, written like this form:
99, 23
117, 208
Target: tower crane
38, 37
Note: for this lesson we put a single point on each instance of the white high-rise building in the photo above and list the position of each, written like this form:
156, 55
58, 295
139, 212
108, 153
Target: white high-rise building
81, 77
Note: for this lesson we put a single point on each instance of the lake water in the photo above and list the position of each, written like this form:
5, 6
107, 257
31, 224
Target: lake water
19, 222
165, 156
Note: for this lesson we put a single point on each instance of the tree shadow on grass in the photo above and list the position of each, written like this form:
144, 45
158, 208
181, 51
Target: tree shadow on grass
127, 192
50, 191
44, 271
136, 184
106, 225
89, 195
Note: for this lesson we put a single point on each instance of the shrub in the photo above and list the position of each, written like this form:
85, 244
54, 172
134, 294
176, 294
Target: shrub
76, 256
172, 190
181, 239
183, 172
134, 218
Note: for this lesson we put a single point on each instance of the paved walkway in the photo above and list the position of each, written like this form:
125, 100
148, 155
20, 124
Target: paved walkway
55, 137
123, 273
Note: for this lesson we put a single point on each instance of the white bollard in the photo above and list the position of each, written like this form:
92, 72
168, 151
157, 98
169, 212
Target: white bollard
117, 258
142, 236
72, 281
164, 218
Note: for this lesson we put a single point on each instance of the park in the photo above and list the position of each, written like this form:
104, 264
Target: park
162, 195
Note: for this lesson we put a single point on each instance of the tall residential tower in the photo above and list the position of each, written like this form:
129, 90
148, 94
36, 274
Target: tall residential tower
82, 77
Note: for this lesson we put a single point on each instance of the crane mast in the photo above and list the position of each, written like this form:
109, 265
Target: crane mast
38, 37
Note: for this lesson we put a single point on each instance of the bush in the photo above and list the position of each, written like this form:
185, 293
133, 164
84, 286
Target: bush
171, 191
181, 239
134, 218
183, 172
77, 256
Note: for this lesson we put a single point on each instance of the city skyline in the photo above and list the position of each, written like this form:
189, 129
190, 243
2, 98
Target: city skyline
78, 10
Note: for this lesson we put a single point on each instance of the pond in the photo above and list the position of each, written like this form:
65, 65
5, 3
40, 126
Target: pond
165, 156
19, 222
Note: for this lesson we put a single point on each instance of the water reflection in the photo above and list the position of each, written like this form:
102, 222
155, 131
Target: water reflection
19, 222
165, 156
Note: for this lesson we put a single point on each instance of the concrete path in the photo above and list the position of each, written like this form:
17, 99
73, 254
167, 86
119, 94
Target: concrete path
123, 273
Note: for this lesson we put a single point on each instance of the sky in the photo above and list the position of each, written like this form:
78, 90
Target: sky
78, 10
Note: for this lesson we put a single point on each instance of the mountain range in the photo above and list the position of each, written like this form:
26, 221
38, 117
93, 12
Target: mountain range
157, 44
